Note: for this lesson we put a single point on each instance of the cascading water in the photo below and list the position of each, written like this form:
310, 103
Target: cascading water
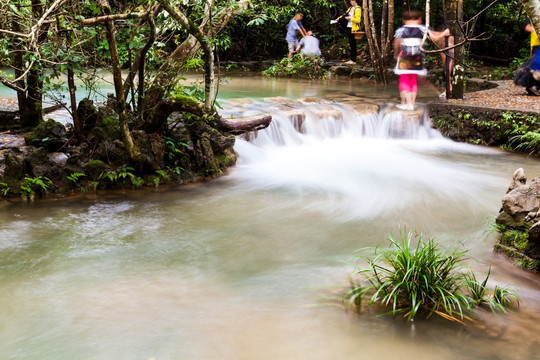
360, 158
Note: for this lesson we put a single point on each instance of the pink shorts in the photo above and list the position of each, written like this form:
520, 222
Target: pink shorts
408, 83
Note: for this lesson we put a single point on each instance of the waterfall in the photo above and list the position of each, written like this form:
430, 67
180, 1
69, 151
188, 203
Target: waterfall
357, 159
297, 122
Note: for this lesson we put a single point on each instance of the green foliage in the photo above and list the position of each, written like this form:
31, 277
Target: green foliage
306, 67
174, 148
424, 280
109, 128
121, 175
35, 185
5, 189
75, 180
528, 142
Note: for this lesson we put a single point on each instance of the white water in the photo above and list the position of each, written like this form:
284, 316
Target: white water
363, 165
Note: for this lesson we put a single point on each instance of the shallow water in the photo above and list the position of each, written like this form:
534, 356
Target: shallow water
251, 266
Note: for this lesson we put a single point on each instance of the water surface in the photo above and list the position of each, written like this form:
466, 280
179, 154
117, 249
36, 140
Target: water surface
251, 266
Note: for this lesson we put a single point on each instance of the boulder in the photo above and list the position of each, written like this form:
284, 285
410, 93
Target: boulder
533, 247
520, 205
14, 165
153, 147
518, 179
49, 134
94, 169
88, 115
42, 163
111, 151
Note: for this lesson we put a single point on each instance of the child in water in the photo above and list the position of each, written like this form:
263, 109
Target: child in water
410, 60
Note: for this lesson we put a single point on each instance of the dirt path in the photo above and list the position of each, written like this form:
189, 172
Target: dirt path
505, 96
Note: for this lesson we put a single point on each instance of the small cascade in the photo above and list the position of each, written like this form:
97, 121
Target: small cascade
295, 122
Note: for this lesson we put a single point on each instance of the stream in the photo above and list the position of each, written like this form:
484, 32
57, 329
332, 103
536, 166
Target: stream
253, 265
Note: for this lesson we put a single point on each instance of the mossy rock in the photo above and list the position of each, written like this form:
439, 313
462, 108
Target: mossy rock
49, 134
94, 169
15, 166
520, 259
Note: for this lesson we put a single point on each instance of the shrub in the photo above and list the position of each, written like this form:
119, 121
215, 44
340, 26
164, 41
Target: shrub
308, 67
424, 279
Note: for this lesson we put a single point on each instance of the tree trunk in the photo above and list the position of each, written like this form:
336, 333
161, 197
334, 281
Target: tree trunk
132, 151
455, 18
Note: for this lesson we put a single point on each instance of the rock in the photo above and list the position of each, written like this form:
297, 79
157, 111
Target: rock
8, 141
308, 100
88, 115
533, 248
518, 179
365, 108
324, 111
111, 151
49, 134
14, 165
59, 159
280, 100
153, 147
296, 116
358, 73
519, 203
340, 70
94, 168
241, 101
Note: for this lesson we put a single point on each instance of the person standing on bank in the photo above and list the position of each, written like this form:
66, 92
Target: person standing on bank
354, 17
294, 25
410, 60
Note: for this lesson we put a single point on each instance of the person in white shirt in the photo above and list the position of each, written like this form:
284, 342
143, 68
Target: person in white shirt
309, 45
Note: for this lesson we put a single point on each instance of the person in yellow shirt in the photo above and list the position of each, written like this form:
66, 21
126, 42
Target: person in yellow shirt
354, 15
535, 42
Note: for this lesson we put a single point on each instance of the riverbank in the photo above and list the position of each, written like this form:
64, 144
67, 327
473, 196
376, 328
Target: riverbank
504, 116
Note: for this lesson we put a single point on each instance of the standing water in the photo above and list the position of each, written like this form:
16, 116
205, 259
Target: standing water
251, 266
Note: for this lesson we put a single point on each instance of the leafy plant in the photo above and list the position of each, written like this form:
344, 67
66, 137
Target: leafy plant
308, 66
32, 185
528, 142
4, 188
424, 279
121, 174
75, 179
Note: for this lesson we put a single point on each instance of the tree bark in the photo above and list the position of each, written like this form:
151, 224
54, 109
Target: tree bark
455, 18
132, 151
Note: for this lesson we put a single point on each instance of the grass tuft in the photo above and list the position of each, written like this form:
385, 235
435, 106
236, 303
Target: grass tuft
424, 279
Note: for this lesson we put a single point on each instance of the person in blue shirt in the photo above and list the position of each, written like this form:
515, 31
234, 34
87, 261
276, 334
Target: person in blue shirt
294, 25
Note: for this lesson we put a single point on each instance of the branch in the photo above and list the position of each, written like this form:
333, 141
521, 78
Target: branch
467, 39
21, 35
105, 18
11, 85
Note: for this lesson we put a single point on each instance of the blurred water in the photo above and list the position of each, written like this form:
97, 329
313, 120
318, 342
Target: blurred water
252, 265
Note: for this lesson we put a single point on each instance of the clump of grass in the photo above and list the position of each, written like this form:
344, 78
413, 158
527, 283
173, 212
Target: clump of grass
424, 280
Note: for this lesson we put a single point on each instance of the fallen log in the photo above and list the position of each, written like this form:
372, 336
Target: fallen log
240, 125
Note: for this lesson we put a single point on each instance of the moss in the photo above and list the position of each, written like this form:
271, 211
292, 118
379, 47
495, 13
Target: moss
520, 259
95, 168
187, 100
109, 128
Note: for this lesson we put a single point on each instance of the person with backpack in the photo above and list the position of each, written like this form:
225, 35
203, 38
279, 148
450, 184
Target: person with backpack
410, 59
